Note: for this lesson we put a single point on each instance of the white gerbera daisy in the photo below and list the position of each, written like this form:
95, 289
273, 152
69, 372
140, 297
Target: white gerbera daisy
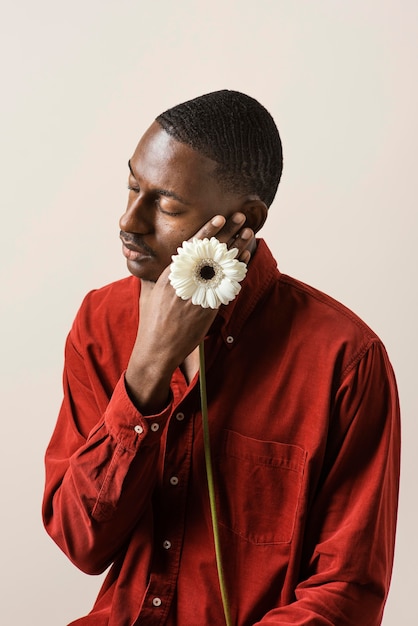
207, 272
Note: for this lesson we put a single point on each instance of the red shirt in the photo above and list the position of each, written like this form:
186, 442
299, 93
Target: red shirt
304, 427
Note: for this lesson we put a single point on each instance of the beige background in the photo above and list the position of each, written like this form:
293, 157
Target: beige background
81, 81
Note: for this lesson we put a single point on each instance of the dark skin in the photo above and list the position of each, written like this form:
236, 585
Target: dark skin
174, 196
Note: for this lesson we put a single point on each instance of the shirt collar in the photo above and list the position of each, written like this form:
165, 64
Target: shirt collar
262, 273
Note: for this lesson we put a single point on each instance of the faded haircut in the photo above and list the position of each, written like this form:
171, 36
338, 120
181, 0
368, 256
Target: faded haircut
238, 133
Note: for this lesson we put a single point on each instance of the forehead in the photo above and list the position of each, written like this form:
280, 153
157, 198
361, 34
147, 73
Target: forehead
161, 161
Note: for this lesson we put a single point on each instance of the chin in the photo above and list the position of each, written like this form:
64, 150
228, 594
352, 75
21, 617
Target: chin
139, 270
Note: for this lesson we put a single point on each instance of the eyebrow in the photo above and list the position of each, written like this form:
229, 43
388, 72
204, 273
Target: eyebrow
163, 192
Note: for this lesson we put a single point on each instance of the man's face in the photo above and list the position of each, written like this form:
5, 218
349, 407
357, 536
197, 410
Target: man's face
172, 194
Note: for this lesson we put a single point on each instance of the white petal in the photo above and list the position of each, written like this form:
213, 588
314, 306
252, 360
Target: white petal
221, 296
212, 298
185, 272
179, 282
186, 292
199, 296
229, 289
236, 272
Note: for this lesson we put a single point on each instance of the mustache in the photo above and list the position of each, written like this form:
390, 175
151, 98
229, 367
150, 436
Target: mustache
136, 241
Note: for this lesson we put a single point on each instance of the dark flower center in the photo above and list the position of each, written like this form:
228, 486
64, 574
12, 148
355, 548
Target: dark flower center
207, 272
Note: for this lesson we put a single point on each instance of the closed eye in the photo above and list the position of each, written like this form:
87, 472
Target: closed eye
170, 213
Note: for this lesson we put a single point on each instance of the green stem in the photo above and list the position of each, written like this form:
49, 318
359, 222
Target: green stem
209, 472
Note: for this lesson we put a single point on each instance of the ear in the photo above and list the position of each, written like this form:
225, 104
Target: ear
256, 213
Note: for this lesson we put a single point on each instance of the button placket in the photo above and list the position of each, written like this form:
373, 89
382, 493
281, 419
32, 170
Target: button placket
172, 504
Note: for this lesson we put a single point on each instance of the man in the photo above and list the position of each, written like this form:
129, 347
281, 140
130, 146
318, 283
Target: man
303, 410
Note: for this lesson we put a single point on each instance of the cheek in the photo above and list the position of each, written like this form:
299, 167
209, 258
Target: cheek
174, 232
169, 237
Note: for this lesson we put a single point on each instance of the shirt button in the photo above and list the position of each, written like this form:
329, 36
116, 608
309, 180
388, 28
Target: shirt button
138, 429
174, 480
155, 427
229, 339
180, 417
167, 544
157, 602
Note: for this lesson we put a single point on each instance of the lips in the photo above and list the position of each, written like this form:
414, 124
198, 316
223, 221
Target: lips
134, 250
132, 255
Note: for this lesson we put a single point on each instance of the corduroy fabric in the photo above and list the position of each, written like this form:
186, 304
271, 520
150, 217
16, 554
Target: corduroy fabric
304, 426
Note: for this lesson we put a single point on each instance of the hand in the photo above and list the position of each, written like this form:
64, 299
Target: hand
230, 232
171, 328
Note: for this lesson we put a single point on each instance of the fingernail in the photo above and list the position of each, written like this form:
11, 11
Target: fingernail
238, 218
246, 233
218, 220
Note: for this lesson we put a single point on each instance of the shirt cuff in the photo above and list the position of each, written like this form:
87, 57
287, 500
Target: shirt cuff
128, 426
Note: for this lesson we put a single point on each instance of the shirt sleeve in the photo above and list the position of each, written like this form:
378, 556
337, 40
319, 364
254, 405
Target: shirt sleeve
347, 558
100, 467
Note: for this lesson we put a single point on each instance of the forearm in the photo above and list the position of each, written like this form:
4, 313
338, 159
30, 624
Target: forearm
97, 489
170, 328
148, 384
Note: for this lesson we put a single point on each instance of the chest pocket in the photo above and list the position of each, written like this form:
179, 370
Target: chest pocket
258, 488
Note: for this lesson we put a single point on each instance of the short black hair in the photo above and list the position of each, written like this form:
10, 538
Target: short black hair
238, 133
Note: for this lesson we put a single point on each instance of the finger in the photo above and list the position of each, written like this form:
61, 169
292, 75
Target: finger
243, 241
231, 227
221, 228
245, 257
230, 231
211, 228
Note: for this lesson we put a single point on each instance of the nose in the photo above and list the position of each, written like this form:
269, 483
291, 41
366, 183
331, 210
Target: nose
137, 217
